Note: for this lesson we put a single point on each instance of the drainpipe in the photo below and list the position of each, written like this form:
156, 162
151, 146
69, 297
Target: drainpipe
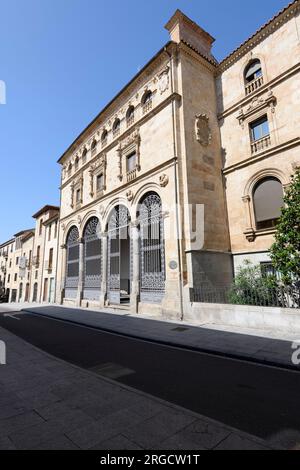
176, 185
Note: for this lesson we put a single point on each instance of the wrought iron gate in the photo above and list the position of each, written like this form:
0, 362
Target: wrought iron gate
152, 249
72, 268
117, 230
92, 261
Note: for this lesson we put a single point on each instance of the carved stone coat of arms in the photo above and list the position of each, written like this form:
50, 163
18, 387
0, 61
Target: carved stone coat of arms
202, 129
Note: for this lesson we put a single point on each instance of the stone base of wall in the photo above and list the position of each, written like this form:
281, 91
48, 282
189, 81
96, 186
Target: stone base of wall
244, 316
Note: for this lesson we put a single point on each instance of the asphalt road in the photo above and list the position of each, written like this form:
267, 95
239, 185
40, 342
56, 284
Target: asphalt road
260, 400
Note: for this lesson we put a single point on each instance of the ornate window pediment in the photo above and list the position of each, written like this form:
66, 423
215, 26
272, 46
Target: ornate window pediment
256, 105
96, 170
127, 148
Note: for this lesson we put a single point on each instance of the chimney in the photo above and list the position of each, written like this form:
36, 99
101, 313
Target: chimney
182, 28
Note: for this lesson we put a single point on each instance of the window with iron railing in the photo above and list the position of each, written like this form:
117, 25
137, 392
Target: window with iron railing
260, 135
253, 76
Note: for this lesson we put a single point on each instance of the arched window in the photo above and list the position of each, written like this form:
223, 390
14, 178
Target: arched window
267, 202
147, 101
72, 268
253, 76
130, 116
92, 260
152, 248
84, 155
119, 255
94, 147
76, 163
104, 138
116, 127
70, 169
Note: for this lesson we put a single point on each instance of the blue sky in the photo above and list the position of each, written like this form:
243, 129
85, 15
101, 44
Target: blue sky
63, 60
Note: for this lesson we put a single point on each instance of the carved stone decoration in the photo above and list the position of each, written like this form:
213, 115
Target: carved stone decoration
163, 80
99, 166
296, 166
63, 226
129, 195
202, 129
256, 105
79, 220
126, 146
163, 180
72, 195
250, 235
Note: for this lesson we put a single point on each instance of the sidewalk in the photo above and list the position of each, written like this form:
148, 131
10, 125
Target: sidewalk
213, 339
46, 403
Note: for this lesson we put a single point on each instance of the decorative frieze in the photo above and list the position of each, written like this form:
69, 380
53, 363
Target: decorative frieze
256, 105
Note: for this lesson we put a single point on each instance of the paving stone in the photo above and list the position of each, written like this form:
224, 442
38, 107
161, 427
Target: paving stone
236, 442
118, 442
202, 434
88, 436
15, 423
60, 442
151, 432
6, 444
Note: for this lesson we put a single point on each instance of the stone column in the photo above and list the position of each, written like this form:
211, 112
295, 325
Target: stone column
81, 272
63, 273
249, 231
103, 294
135, 284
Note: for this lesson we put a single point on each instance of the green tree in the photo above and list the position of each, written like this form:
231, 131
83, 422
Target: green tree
285, 252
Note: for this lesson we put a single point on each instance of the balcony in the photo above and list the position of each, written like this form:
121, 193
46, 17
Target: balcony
261, 144
131, 175
130, 121
116, 132
254, 85
147, 106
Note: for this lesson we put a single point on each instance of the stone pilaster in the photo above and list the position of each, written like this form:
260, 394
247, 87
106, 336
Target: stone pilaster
103, 294
63, 273
81, 272
135, 285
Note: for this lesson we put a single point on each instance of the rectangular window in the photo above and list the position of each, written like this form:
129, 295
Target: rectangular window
8, 278
17, 261
99, 182
259, 129
55, 229
49, 232
131, 162
16, 277
50, 258
41, 227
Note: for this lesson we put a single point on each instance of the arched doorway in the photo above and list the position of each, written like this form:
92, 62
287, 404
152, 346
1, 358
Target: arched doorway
72, 268
152, 249
27, 292
35, 290
20, 291
92, 260
119, 256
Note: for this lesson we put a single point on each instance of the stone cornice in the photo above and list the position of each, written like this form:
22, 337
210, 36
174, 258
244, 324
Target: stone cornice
276, 22
272, 83
123, 136
124, 186
262, 155
139, 80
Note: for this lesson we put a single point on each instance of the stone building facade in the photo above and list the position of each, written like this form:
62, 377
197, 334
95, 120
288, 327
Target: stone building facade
258, 88
179, 178
28, 261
